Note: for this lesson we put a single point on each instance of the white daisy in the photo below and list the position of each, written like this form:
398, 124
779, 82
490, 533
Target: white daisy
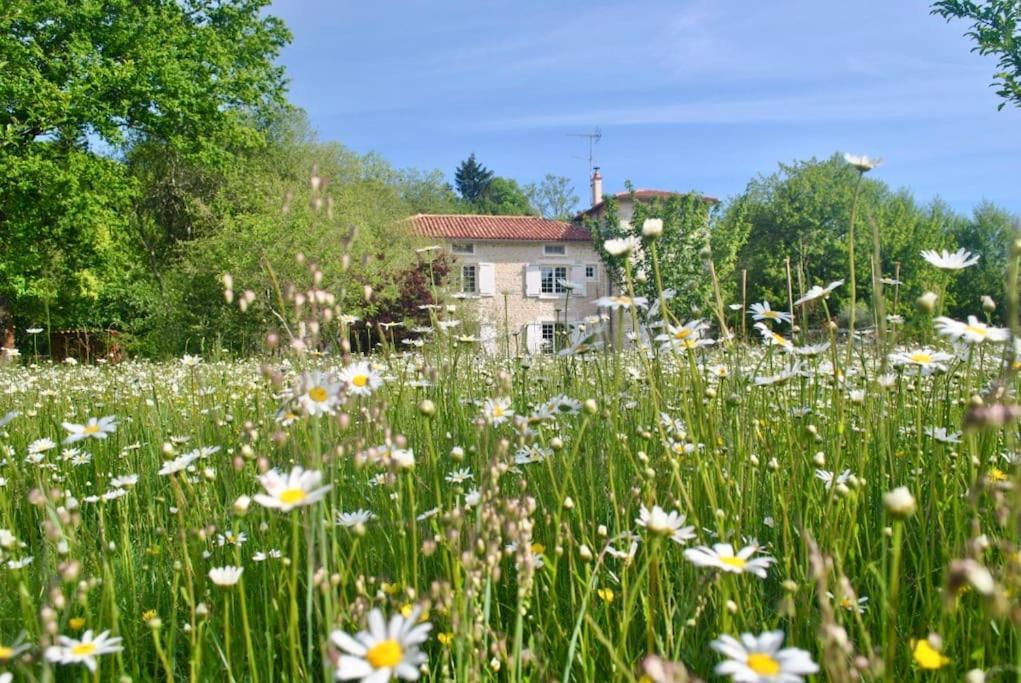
944, 260
84, 651
318, 393
759, 659
383, 651
497, 410
971, 332
722, 556
926, 361
353, 519
658, 521
225, 577
95, 428
285, 492
818, 292
621, 246
621, 301
360, 379
764, 312
862, 162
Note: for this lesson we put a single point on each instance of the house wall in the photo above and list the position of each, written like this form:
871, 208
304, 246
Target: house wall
524, 311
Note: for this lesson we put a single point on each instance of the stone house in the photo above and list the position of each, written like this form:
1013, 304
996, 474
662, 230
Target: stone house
532, 279
529, 278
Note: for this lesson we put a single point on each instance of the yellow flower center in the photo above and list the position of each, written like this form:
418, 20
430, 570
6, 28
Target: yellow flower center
921, 357
538, 548
976, 330
318, 394
385, 654
6, 653
735, 562
763, 664
92, 428
360, 380
682, 333
83, 649
292, 496
779, 339
772, 315
76, 623
497, 411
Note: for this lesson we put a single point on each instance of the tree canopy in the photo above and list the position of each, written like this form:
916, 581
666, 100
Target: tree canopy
996, 30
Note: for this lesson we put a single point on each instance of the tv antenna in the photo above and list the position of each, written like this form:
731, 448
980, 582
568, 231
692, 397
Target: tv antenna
595, 136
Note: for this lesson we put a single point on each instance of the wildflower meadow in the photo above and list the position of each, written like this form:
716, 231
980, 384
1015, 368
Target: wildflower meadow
757, 495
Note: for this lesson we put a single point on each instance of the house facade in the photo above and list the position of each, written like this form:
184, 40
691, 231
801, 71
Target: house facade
529, 280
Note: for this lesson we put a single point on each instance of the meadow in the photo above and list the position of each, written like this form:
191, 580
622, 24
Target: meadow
774, 505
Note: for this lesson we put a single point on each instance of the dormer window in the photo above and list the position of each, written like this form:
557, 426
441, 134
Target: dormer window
463, 248
554, 249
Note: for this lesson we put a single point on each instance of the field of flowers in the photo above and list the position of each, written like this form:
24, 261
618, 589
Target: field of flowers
767, 508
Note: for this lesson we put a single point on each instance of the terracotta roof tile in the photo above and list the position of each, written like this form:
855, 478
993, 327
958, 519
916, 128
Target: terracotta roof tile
530, 228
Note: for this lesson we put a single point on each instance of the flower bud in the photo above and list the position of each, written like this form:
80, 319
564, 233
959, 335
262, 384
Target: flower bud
900, 503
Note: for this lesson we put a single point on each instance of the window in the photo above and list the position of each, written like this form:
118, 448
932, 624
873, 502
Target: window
549, 333
462, 248
590, 271
554, 249
552, 278
469, 279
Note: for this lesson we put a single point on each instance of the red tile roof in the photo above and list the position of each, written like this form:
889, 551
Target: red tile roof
643, 195
531, 228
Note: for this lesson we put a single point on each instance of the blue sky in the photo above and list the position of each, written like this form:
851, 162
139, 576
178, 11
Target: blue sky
696, 94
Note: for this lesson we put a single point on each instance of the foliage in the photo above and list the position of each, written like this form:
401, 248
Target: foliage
688, 227
801, 213
996, 30
553, 198
504, 197
990, 231
471, 179
84, 81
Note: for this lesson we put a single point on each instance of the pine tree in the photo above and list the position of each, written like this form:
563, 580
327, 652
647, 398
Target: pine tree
472, 179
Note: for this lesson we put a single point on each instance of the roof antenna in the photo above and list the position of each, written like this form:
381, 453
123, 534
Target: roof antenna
595, 136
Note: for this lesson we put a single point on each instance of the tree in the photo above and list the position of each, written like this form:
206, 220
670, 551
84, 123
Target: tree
472, 179
85, 82
996, 30
554, 197
504, 197
801, 213
990, 232
687, 227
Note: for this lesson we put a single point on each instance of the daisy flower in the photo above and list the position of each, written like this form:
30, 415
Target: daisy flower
285, 492
621, 246
352, 519
971, 332
497, 410
944, 260
759, 659
360, 379
762, 311
862, 162
95, 428
41, 445
225, 577
318, 393
621, 301
940, 434
926, 361
658, 521
178, 464
384, 651
84, 651
818, 292
722, 556
771, 338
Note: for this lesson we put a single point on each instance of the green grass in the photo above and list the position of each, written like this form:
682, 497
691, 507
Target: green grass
688, 431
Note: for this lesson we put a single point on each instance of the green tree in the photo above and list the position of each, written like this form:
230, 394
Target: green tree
554, 197
989, 232
472, 179
996, 30
801, 213
85, 81
504, 197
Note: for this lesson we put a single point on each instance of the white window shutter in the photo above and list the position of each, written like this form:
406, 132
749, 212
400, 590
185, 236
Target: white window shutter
578, 280
533, 337
487, 279
533, 280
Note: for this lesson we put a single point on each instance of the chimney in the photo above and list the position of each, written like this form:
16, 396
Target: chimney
597, 186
